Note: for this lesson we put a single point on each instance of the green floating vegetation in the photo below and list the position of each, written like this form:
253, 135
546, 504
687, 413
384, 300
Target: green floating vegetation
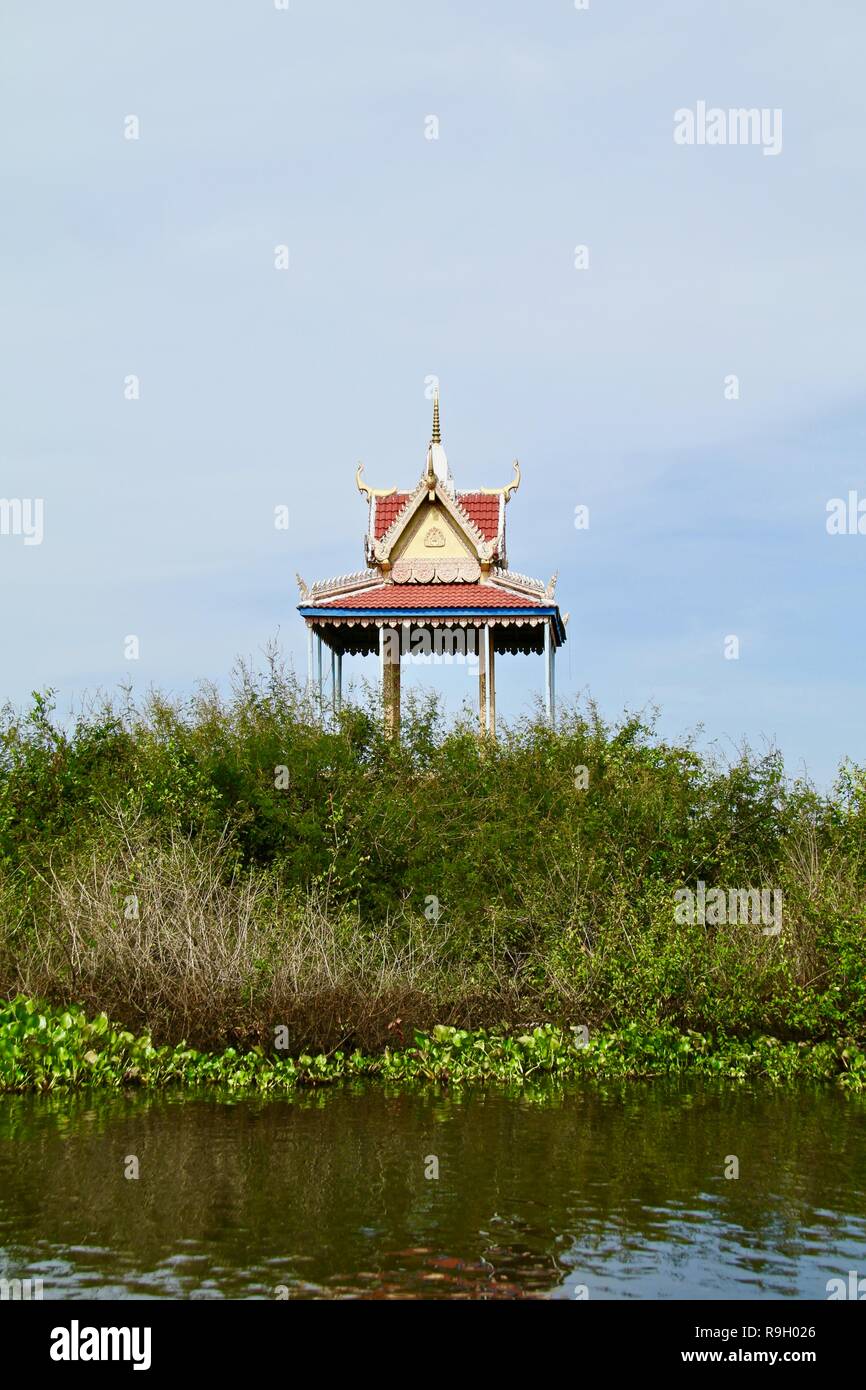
45, 1049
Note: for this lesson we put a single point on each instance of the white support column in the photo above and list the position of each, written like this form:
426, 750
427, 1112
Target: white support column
491, 684
338, 689
310, 636
319, 671
333, 680
550, 673
481, 648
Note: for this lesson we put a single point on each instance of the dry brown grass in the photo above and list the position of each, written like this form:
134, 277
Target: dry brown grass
220, 955
216, 956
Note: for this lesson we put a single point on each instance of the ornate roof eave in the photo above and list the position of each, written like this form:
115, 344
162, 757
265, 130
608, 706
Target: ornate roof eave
498, 614
343, 584
520, 583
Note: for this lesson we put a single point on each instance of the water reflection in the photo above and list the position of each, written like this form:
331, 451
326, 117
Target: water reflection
621, 1190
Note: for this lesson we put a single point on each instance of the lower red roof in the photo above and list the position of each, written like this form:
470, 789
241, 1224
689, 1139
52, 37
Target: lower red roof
458, 596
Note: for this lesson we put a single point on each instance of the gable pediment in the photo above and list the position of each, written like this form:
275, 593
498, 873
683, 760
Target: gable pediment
432, 534
432, 526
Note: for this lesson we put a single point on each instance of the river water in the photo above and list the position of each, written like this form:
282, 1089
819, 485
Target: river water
582, 1191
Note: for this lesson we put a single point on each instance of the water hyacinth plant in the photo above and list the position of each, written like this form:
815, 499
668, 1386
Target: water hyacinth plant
53, 1049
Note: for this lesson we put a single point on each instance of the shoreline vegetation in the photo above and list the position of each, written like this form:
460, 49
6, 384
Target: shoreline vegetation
232, 872
44, 1049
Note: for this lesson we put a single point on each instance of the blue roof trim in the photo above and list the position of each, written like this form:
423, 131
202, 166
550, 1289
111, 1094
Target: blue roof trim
552, 612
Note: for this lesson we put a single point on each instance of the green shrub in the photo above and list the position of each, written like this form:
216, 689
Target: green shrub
436, 879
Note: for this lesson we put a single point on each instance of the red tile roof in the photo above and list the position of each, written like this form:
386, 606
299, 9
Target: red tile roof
481, 509
387, 510
457, 596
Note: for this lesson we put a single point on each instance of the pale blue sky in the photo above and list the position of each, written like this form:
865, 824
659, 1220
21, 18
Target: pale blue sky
455, 257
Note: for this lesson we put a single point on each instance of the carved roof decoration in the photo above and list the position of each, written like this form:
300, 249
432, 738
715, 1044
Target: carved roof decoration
343, 582
436, 571
522, 582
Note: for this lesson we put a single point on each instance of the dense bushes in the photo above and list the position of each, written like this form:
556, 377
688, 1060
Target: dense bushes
212, 869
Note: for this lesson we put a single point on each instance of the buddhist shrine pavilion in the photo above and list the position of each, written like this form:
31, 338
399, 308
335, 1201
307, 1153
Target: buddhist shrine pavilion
437, 582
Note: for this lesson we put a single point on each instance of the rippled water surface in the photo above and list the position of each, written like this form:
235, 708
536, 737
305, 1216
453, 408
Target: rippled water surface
331, 1194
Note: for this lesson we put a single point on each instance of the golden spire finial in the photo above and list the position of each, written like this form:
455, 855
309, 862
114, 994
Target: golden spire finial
436, 468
